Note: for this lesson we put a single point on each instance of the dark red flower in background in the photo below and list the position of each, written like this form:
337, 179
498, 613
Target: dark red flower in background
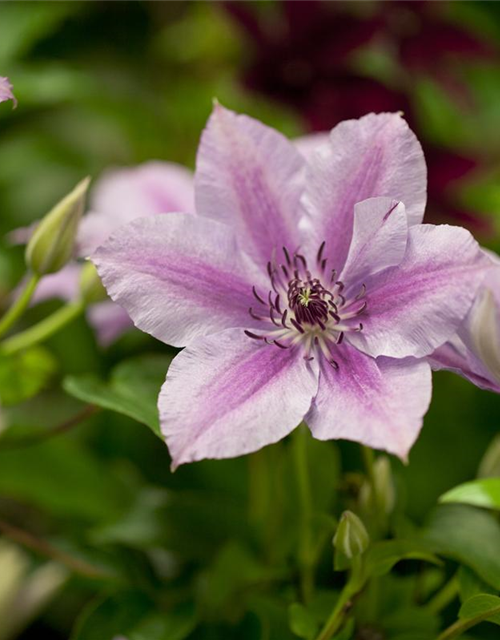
304, 55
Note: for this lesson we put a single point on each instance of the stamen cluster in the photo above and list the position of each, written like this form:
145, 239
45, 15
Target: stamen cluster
315, 316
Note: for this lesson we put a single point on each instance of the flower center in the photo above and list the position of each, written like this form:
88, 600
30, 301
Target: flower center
316, 314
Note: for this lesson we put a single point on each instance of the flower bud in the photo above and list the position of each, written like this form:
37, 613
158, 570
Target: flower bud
384, 498
351, 537
489, 467
91, 287
52, 244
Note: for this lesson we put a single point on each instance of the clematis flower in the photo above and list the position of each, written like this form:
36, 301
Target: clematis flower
121, 195
6, 91
301, 290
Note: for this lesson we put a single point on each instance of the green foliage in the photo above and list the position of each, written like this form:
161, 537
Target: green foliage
24, 374
481, 607
132, 614
216, 549
132, 389
478, 493
468, 535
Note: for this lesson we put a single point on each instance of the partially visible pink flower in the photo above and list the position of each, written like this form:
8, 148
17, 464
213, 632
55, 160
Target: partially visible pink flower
474, 352
6, 91
303, 289
119, 197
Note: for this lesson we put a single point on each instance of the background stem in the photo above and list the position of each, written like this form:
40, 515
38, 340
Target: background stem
44, 329
19, 305
304, 486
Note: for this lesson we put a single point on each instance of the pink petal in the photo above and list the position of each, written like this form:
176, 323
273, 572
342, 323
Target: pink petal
109, 320
227, 395
122, 195
250, 176
415, 307
309, 144
178, 276
379, 403
454, 356
379, 239
6, 91
377, 155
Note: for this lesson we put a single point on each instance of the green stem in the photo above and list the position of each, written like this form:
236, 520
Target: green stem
343, 604
19, 305
39, 438
46, 549
444, 596
460, 626
305, 550
44, 329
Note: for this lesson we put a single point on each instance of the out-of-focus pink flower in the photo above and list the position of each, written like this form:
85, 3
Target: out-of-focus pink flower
6, 91
120, 196
303, 288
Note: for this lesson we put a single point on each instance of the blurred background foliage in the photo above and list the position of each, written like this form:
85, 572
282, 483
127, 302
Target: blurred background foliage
113, 537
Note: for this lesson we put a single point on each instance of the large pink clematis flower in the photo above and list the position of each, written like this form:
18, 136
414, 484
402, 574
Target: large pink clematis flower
6, 91
119, 197
302, 289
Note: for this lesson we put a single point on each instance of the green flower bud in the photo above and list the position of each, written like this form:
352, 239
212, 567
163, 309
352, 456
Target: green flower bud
385, 496
489, 467
351, 537
91, 288
52, 244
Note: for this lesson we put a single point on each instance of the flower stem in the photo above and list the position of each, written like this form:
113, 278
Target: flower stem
343, 604
44, 329
461, 626
19, 305
444, 596
305, 550
38, 438
46, 549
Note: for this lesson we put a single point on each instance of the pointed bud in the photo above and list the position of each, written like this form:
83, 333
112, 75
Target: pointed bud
52, 244
351, 537
91, 287
489, 467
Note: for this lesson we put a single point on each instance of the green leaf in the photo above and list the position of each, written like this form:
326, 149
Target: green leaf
21, 28
230, 579
468, 535
132, 390
479, 493
302, 622
382, 556
24, 374
64, 478
174, 625
470, 584
481, 607
113, 616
